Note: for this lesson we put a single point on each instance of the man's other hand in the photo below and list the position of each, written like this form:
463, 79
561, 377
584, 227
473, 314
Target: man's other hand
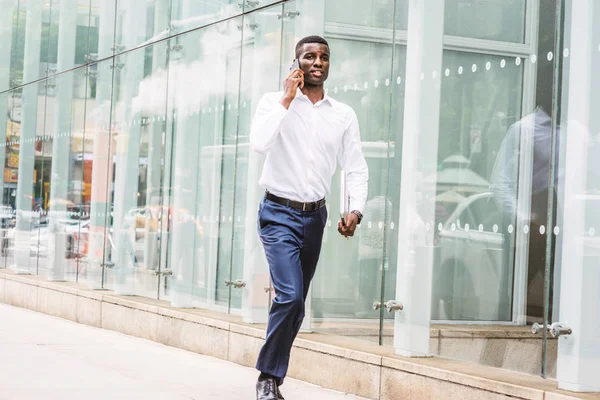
348, 229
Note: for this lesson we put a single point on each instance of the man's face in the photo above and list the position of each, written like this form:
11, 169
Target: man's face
314, 62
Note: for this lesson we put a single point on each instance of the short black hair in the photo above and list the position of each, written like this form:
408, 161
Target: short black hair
309, 39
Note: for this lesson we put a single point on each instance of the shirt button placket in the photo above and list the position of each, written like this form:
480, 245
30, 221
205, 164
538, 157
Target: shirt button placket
312, 138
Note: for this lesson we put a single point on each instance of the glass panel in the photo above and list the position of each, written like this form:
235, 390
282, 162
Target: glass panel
481, 243
492, 20
140, 92
63, 196
140, 23
476, 111
8, 28
251, 5
30, 42
260, 62
41, 190
11, 165
472, 196
348, 280
97, 149
69, 32
8, 181
356, 14
102, 29
390, 262
188, 15
204, 121
573, 299
27, 130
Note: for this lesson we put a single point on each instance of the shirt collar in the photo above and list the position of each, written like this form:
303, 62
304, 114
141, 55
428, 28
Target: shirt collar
325, 100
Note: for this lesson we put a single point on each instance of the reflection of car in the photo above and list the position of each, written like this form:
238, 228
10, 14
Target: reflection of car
39, 235
144, 223
471, 275
7, 216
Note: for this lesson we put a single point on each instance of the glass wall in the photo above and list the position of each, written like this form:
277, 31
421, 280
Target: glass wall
127, 165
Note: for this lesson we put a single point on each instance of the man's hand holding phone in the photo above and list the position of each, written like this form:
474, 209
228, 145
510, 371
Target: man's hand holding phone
291, 84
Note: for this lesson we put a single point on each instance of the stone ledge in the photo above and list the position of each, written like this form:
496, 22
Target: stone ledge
346, 365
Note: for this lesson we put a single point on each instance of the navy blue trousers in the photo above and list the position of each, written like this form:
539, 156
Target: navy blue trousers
292, 242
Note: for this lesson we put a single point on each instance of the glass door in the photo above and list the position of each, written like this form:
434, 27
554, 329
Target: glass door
572, 318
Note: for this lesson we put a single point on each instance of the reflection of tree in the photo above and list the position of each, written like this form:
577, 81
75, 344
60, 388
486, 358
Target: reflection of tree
17, 56
86, 41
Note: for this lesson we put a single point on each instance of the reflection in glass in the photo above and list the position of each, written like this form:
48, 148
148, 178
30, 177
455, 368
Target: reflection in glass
475, 111
492, 20
97, 151
138, 122
203, 116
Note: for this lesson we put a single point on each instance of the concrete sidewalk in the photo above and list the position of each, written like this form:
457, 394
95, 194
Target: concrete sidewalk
43, 357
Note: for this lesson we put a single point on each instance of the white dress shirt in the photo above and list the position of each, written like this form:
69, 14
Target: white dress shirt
302, 145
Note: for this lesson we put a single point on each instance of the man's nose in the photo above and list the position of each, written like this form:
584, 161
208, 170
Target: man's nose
318, 62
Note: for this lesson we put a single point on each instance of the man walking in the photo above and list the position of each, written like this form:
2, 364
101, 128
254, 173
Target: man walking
302, 132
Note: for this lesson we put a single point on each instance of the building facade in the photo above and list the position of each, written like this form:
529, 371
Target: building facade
127, 165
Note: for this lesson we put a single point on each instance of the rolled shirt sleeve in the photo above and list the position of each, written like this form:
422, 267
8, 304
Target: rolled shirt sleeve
353, 162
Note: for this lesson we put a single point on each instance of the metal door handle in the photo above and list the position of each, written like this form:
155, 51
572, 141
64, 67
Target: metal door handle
394, 305
537, 328
390, 306
558, 329
288, 14
236, 284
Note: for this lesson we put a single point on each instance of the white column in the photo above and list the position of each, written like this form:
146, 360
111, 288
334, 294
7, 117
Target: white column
61, 141
99, 247
155, 147
29, 117
419, 159
127, 141
185, 255
579, 353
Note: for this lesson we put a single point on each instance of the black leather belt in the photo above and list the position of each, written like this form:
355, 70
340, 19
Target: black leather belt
298, 205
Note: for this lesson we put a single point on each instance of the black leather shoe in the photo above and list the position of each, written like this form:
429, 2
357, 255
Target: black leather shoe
266, 389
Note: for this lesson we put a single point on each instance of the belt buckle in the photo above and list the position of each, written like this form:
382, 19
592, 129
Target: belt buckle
304, 206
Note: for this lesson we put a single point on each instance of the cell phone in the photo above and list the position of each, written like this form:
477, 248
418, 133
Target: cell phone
295, 65
343, 219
